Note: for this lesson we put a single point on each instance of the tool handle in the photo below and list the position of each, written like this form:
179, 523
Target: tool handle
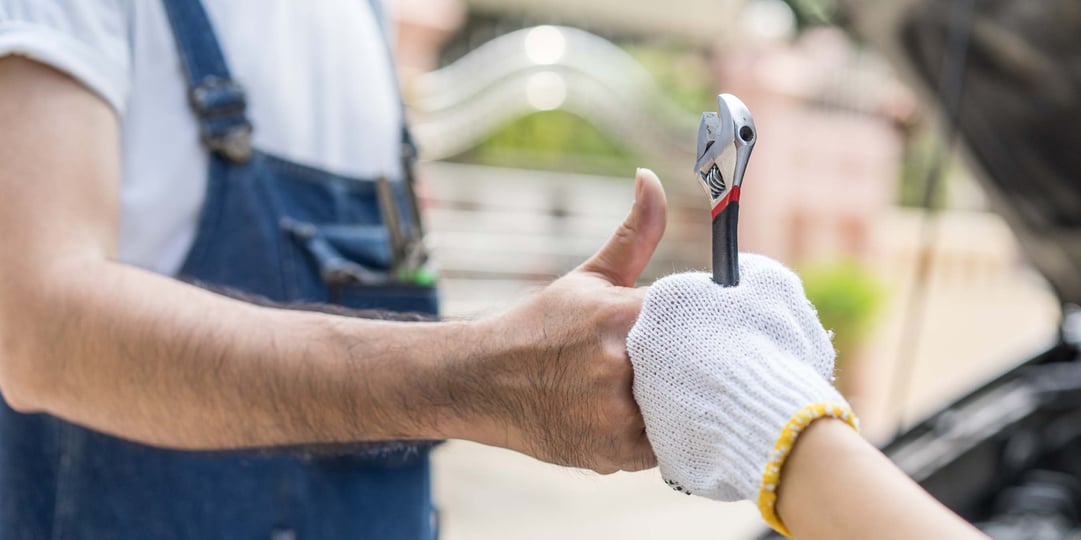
725, 246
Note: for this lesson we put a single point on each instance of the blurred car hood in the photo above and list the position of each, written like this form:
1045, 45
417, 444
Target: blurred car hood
1020, 110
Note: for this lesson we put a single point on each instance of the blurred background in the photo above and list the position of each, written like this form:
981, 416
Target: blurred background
532, 116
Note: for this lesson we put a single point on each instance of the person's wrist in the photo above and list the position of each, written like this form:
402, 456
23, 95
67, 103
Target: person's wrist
821, 403
824, 444
470, 393
420, 384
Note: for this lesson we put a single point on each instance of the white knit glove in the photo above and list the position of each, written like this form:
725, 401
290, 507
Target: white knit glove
726, 377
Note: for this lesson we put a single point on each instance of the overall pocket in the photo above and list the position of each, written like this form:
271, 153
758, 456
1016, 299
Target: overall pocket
355, 268
336, 247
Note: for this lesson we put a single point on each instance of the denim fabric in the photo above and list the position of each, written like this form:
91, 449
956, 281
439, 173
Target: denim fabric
271, 228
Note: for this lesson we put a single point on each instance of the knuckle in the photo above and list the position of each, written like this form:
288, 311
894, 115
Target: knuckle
642, 456
611, 369
639, 461
646, 462
630, 416
619, 306
606, 470
622, 414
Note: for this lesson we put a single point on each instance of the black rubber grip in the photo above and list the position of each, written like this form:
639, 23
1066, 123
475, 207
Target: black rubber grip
726, 247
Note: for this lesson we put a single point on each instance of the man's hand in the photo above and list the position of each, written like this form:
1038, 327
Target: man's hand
561, 391
153, 360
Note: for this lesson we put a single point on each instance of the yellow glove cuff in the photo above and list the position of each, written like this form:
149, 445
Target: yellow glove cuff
771, 476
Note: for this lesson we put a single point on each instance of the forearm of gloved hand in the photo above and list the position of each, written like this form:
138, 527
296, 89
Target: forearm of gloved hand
728, 378
838, 486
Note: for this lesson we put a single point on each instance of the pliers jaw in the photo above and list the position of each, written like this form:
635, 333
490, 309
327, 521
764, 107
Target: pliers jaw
725, 141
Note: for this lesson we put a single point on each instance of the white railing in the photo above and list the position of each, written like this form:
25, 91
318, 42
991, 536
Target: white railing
545, 68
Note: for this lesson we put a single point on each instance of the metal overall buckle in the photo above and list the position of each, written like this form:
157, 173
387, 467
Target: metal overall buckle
409, 256
224, 128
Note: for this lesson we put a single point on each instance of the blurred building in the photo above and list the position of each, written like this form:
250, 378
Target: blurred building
830, 146
698, 21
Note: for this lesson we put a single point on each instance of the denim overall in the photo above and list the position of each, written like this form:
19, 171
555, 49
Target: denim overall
271, 228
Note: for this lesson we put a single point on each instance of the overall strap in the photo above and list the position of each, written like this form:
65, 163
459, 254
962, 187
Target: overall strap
216, 99
415, 254
409, 146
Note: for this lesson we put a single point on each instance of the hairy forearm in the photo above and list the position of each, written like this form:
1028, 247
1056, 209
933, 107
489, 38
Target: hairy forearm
155, 360
151, 359
836, 485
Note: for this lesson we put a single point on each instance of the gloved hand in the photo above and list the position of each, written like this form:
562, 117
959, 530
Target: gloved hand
727, 377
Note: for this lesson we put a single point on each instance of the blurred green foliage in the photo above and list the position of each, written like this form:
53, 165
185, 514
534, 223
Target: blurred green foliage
814, 12
682, 75
555, 141
920, 150
848, 298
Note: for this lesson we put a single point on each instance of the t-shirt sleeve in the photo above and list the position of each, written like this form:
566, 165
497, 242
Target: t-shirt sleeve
87, 39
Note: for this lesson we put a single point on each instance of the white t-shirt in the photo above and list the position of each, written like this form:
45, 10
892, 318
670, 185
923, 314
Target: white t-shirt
317, 74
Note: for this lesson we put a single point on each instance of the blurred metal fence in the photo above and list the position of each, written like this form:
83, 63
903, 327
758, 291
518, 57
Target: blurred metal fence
496, 232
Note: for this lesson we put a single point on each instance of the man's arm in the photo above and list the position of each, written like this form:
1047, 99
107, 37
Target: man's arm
151, 359
836, 485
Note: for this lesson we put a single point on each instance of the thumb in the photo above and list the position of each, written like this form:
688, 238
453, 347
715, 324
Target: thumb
627, 252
